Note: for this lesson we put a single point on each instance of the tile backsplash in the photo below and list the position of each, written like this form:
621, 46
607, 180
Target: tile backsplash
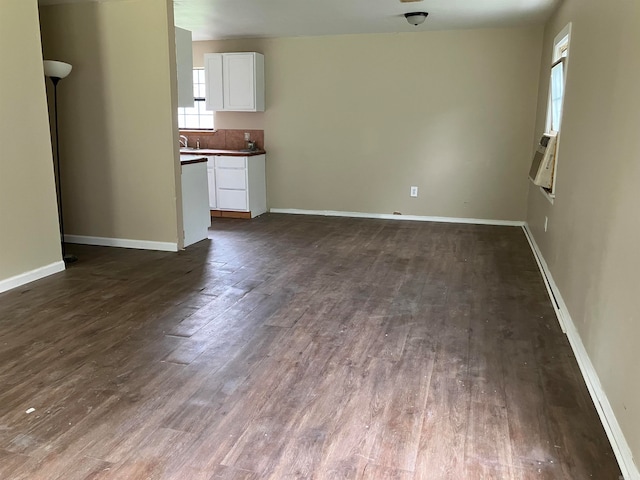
224, 139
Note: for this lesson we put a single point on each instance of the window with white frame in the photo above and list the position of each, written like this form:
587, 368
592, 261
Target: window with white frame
196, 117
557, 81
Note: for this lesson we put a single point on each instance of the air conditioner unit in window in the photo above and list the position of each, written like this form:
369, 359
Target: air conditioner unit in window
543, 163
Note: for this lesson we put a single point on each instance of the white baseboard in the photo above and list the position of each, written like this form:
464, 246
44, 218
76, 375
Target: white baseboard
388, 216
605, 411
30, 276
122, 242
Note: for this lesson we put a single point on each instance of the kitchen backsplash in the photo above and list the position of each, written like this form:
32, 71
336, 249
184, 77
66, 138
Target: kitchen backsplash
224, 139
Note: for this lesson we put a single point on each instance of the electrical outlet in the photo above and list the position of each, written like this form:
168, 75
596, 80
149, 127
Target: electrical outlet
414, 191
546, 223
247, 136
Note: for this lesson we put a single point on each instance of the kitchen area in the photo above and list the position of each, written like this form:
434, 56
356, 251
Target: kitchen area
223, 170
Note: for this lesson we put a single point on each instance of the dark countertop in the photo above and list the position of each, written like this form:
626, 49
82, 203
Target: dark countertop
191, 159
228, 153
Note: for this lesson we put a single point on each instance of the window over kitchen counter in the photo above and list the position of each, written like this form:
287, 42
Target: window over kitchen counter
197, 117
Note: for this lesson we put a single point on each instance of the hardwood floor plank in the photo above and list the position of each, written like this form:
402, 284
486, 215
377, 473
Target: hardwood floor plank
260, 446
579, 461
236, 416
376, 472
441, 452
11, 463
488, 445
202, 316
85, 468
527, 412
397, 443
222, 472
323, 412
390, 337
360, 421
193, 413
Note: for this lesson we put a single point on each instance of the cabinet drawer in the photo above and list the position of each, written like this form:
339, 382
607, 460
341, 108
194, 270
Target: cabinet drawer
232, 199
231, 162
231, 178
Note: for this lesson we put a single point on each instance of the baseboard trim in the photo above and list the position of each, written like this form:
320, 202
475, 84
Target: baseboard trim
605, 411
387, 216
31, 276
122, 243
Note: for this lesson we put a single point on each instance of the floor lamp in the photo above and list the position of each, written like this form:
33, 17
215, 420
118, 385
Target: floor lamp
56, 71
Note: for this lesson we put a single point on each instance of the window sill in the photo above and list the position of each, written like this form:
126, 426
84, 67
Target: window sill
196, 130
548, 195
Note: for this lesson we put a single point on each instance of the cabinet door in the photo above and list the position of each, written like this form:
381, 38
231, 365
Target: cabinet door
195, 210
211, 176
184, 65
232, 199
213, 81
239, 81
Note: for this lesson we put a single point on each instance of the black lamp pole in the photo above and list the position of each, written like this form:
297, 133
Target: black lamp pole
68, 258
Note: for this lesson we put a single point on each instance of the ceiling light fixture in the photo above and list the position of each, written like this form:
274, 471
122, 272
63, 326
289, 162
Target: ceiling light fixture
416, 18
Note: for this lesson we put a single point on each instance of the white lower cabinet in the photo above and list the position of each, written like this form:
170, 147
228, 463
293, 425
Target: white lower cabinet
240, 184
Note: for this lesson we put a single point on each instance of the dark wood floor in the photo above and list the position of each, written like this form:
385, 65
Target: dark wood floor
293, 347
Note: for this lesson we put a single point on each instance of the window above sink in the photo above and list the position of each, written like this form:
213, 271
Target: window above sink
196, 117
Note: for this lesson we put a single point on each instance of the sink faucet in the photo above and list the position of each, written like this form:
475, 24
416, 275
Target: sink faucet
184, 141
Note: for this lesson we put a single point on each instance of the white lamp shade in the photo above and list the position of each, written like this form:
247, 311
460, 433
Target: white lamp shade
53, 68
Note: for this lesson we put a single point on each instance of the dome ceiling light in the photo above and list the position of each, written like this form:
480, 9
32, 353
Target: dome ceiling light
416, 18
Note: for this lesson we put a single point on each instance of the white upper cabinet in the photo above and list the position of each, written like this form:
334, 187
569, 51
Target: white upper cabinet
184, 65
235, 81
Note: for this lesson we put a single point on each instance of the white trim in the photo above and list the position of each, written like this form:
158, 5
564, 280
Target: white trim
31, 276
605, 411
559, 38
549, 283
122, 242
387, 216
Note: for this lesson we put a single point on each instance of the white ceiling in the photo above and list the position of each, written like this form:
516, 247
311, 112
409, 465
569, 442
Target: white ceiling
219, 19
